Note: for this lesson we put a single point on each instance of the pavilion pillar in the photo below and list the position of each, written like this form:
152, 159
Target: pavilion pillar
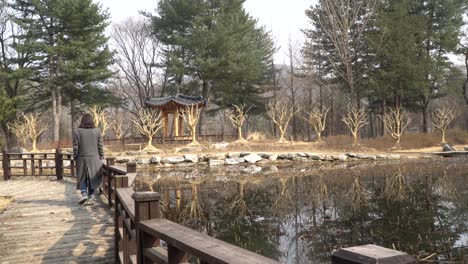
165, 119
176, 124
181, 125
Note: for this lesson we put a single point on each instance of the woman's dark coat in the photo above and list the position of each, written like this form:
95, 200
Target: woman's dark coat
88, 152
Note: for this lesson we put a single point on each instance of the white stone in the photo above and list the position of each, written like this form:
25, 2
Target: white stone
362, 156
302, 155
314, 156
191, 158
394, 156
288, 156
252, 158
155, 160
340, 157
234, 161
273, 157
142, 161
172, 160
351, 155
215, 163
372, 157
381, 156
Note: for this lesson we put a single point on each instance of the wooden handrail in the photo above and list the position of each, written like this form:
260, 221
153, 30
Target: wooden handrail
32, 164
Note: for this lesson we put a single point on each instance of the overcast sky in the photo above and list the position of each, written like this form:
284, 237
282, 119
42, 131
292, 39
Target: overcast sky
284, 18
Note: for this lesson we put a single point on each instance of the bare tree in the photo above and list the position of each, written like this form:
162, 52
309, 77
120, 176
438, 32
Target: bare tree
441, 119
148, 122
100, 118
237, 115
355, 119
317, 120
191, 116
29, 127
138, 54
20, 130
396, 120
345, 22
116, 123
281, 113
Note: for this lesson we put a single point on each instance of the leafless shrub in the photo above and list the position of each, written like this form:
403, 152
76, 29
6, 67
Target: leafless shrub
441, 119
281, 113
148, 122
355, 119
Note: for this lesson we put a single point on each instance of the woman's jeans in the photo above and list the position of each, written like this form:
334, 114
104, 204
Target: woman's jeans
86, 188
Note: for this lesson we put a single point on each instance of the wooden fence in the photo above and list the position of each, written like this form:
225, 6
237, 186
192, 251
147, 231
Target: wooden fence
37, 164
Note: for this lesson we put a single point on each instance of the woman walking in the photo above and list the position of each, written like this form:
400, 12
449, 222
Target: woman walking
88, 153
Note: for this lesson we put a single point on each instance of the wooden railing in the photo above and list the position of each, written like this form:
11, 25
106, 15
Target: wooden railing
38, 164
140, 230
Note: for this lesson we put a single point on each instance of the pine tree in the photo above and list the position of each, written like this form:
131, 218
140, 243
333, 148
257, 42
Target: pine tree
69, 55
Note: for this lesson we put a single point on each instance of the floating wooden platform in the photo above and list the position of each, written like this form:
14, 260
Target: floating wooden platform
44, 224
451, 153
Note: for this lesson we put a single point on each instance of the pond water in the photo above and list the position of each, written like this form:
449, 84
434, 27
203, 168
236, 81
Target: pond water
300, 213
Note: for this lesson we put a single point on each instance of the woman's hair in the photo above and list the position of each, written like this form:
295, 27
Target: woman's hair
87, 121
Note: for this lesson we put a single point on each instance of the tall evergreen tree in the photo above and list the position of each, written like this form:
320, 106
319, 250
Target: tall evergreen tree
217, 44
68, 49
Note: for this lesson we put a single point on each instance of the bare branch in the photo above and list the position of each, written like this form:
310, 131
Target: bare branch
281, 113
148, 122
396, 120
441, 119
237, 117
355, 119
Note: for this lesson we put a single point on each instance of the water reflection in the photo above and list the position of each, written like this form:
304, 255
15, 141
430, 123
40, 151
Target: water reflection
301, 213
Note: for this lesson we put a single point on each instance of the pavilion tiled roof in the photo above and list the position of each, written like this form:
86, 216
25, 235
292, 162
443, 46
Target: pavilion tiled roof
180, 99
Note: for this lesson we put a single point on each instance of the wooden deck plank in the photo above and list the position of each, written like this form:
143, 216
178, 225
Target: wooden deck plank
44, 224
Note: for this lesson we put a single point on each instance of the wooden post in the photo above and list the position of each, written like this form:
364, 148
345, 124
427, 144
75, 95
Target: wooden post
6, 165
146, 208
131, 167
164, 132
176, 124
58, 164
371, 254
110, 161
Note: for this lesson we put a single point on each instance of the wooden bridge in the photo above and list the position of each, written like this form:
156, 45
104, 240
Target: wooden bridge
44, 223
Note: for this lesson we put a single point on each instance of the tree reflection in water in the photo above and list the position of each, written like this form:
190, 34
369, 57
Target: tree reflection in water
420, 207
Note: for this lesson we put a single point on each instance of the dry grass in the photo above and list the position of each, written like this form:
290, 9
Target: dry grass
256, 136
4, 201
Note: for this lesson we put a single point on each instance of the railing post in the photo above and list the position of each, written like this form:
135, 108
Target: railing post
58, 164
371, 254
131, 167
110, 161
146, 207
6, 165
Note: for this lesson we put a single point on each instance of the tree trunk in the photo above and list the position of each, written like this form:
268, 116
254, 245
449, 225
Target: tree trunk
239, 132
443, 136
384, 112
425, 113
206, 90
73, 116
